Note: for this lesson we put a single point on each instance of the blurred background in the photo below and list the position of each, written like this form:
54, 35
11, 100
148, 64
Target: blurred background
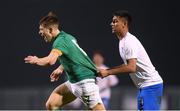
155, 23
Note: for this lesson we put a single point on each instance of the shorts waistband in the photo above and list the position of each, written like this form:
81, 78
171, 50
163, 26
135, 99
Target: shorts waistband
85, 81
153, 86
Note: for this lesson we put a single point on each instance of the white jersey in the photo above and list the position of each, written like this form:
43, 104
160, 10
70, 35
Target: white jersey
106, 83
146, 75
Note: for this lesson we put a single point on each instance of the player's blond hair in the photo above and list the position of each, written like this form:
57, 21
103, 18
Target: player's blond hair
49, 20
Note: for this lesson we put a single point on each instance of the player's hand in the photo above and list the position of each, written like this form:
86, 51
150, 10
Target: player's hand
31, 59
103, 73
55, 74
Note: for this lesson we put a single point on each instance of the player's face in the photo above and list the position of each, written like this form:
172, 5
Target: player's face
45, 33
117, 24
98, 59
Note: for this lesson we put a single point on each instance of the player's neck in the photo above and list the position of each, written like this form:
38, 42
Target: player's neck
56, 33
122, 34
99, 65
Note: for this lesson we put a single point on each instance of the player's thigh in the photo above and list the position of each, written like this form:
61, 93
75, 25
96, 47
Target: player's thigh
149, 99
61, 95
91, 97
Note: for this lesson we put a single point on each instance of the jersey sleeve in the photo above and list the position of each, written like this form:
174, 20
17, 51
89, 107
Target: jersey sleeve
131, 50
57, 51
61, 46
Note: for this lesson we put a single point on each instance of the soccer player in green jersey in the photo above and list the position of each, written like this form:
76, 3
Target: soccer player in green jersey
80, 70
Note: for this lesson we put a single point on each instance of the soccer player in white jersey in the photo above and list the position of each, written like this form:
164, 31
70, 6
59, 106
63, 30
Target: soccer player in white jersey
137, 63
106, 83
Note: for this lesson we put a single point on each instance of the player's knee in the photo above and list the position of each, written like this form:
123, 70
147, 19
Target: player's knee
48, 105
99, 106
51, 105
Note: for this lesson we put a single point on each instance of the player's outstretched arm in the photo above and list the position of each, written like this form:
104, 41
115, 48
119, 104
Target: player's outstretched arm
129, 68
48, 60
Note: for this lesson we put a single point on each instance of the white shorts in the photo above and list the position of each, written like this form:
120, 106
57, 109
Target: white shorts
87, 91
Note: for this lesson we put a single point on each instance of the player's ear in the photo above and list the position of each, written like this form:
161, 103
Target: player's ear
50, 29
125, 23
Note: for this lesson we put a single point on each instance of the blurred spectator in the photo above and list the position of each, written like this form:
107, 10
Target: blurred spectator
106, 83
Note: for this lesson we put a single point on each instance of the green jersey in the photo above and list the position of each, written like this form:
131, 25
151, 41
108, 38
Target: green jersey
77, 65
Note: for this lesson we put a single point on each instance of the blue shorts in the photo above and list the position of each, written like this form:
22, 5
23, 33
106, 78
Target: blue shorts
149, 98
106, 102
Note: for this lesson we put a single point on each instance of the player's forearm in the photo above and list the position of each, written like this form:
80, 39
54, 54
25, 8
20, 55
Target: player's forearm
61, 67
118, 66
121, 69
43, 61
